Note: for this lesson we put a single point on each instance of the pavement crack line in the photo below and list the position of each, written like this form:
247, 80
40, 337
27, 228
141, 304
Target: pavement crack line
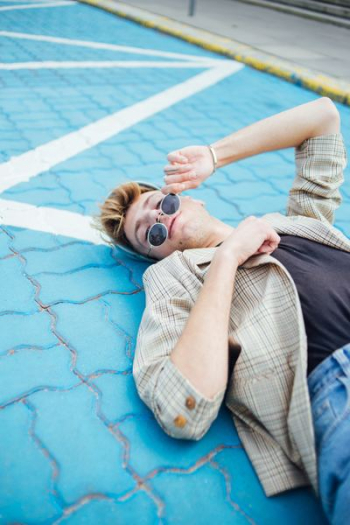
53, 489
124, 443
233, 504
119, 331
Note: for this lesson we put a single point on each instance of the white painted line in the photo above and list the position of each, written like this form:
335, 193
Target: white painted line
31, 6
107, 64
102, 45
49, 220
27, 165
19, 2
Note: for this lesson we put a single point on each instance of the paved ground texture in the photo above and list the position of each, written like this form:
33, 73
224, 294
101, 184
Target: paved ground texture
88, 101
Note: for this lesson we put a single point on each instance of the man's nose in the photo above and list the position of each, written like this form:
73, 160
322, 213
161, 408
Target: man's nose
155, 215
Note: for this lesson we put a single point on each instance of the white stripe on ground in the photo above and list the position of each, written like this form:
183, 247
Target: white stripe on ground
20, 2
27, 165
102, 45
49, 220
107, 64
31, 6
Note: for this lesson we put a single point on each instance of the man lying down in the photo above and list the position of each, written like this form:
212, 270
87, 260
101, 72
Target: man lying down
258, 315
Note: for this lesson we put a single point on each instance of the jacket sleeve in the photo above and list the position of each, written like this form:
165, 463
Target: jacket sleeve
181, 411
320, 162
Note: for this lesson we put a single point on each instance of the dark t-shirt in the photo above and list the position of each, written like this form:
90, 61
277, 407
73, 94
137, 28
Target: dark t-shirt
322, 277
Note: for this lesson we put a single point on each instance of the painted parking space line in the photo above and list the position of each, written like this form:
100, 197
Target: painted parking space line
102, 45
27, 165
20, 2
49, 220
106, 64
37, 6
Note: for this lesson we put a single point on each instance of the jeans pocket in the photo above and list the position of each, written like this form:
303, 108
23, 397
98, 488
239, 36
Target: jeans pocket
339, 398
332, 445
336, 407
323, 417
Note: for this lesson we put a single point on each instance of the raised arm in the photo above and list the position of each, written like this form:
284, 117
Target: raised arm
192, 165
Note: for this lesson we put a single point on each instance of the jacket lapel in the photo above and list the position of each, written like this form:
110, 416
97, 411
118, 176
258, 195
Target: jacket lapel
308, 228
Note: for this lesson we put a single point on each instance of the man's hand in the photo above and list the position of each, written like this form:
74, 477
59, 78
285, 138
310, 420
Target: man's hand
187, 168
190, 166
253, 236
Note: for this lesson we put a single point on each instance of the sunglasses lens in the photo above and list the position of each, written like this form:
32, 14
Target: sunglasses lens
157, 234
170, 204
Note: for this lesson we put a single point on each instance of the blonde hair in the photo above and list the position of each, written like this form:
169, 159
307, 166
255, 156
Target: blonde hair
113, 211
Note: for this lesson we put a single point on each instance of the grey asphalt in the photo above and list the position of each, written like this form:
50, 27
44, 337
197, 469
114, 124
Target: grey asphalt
319, 46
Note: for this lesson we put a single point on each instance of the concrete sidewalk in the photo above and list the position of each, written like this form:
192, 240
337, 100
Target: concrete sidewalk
309, 43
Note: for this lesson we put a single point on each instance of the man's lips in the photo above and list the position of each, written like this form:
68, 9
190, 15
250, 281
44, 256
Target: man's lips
171, 226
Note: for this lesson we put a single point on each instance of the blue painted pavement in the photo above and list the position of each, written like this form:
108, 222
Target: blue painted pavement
77, 444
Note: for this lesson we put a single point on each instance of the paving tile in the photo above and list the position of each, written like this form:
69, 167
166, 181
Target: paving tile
25, 331
99, 344
17, 295
4, 244
32, 240
119, 397
20, 500
29, 370
203, 486
69, 258
84, 284
72, 437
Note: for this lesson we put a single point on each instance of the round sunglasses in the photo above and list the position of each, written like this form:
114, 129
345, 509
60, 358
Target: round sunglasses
158, 232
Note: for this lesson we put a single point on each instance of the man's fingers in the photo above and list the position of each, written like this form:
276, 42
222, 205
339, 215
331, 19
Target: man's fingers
176, 168
275, 240
184, 177
175, 156
270, 244
179, 187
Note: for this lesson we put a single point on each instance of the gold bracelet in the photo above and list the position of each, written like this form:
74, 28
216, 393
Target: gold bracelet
213, 154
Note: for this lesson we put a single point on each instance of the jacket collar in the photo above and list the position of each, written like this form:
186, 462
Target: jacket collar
201, 256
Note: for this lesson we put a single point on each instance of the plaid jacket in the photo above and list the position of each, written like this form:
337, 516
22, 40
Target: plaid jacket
267, 391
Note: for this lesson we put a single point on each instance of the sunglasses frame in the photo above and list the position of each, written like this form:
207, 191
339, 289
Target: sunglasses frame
158, 221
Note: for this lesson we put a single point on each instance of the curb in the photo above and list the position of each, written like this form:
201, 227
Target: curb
324, 85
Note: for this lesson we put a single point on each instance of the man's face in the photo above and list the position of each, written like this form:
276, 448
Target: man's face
185, 228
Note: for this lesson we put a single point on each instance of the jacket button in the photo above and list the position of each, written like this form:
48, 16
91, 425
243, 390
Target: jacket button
190, 403
180, 421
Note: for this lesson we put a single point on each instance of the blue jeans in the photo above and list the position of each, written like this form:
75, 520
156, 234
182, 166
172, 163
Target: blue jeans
329, 387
